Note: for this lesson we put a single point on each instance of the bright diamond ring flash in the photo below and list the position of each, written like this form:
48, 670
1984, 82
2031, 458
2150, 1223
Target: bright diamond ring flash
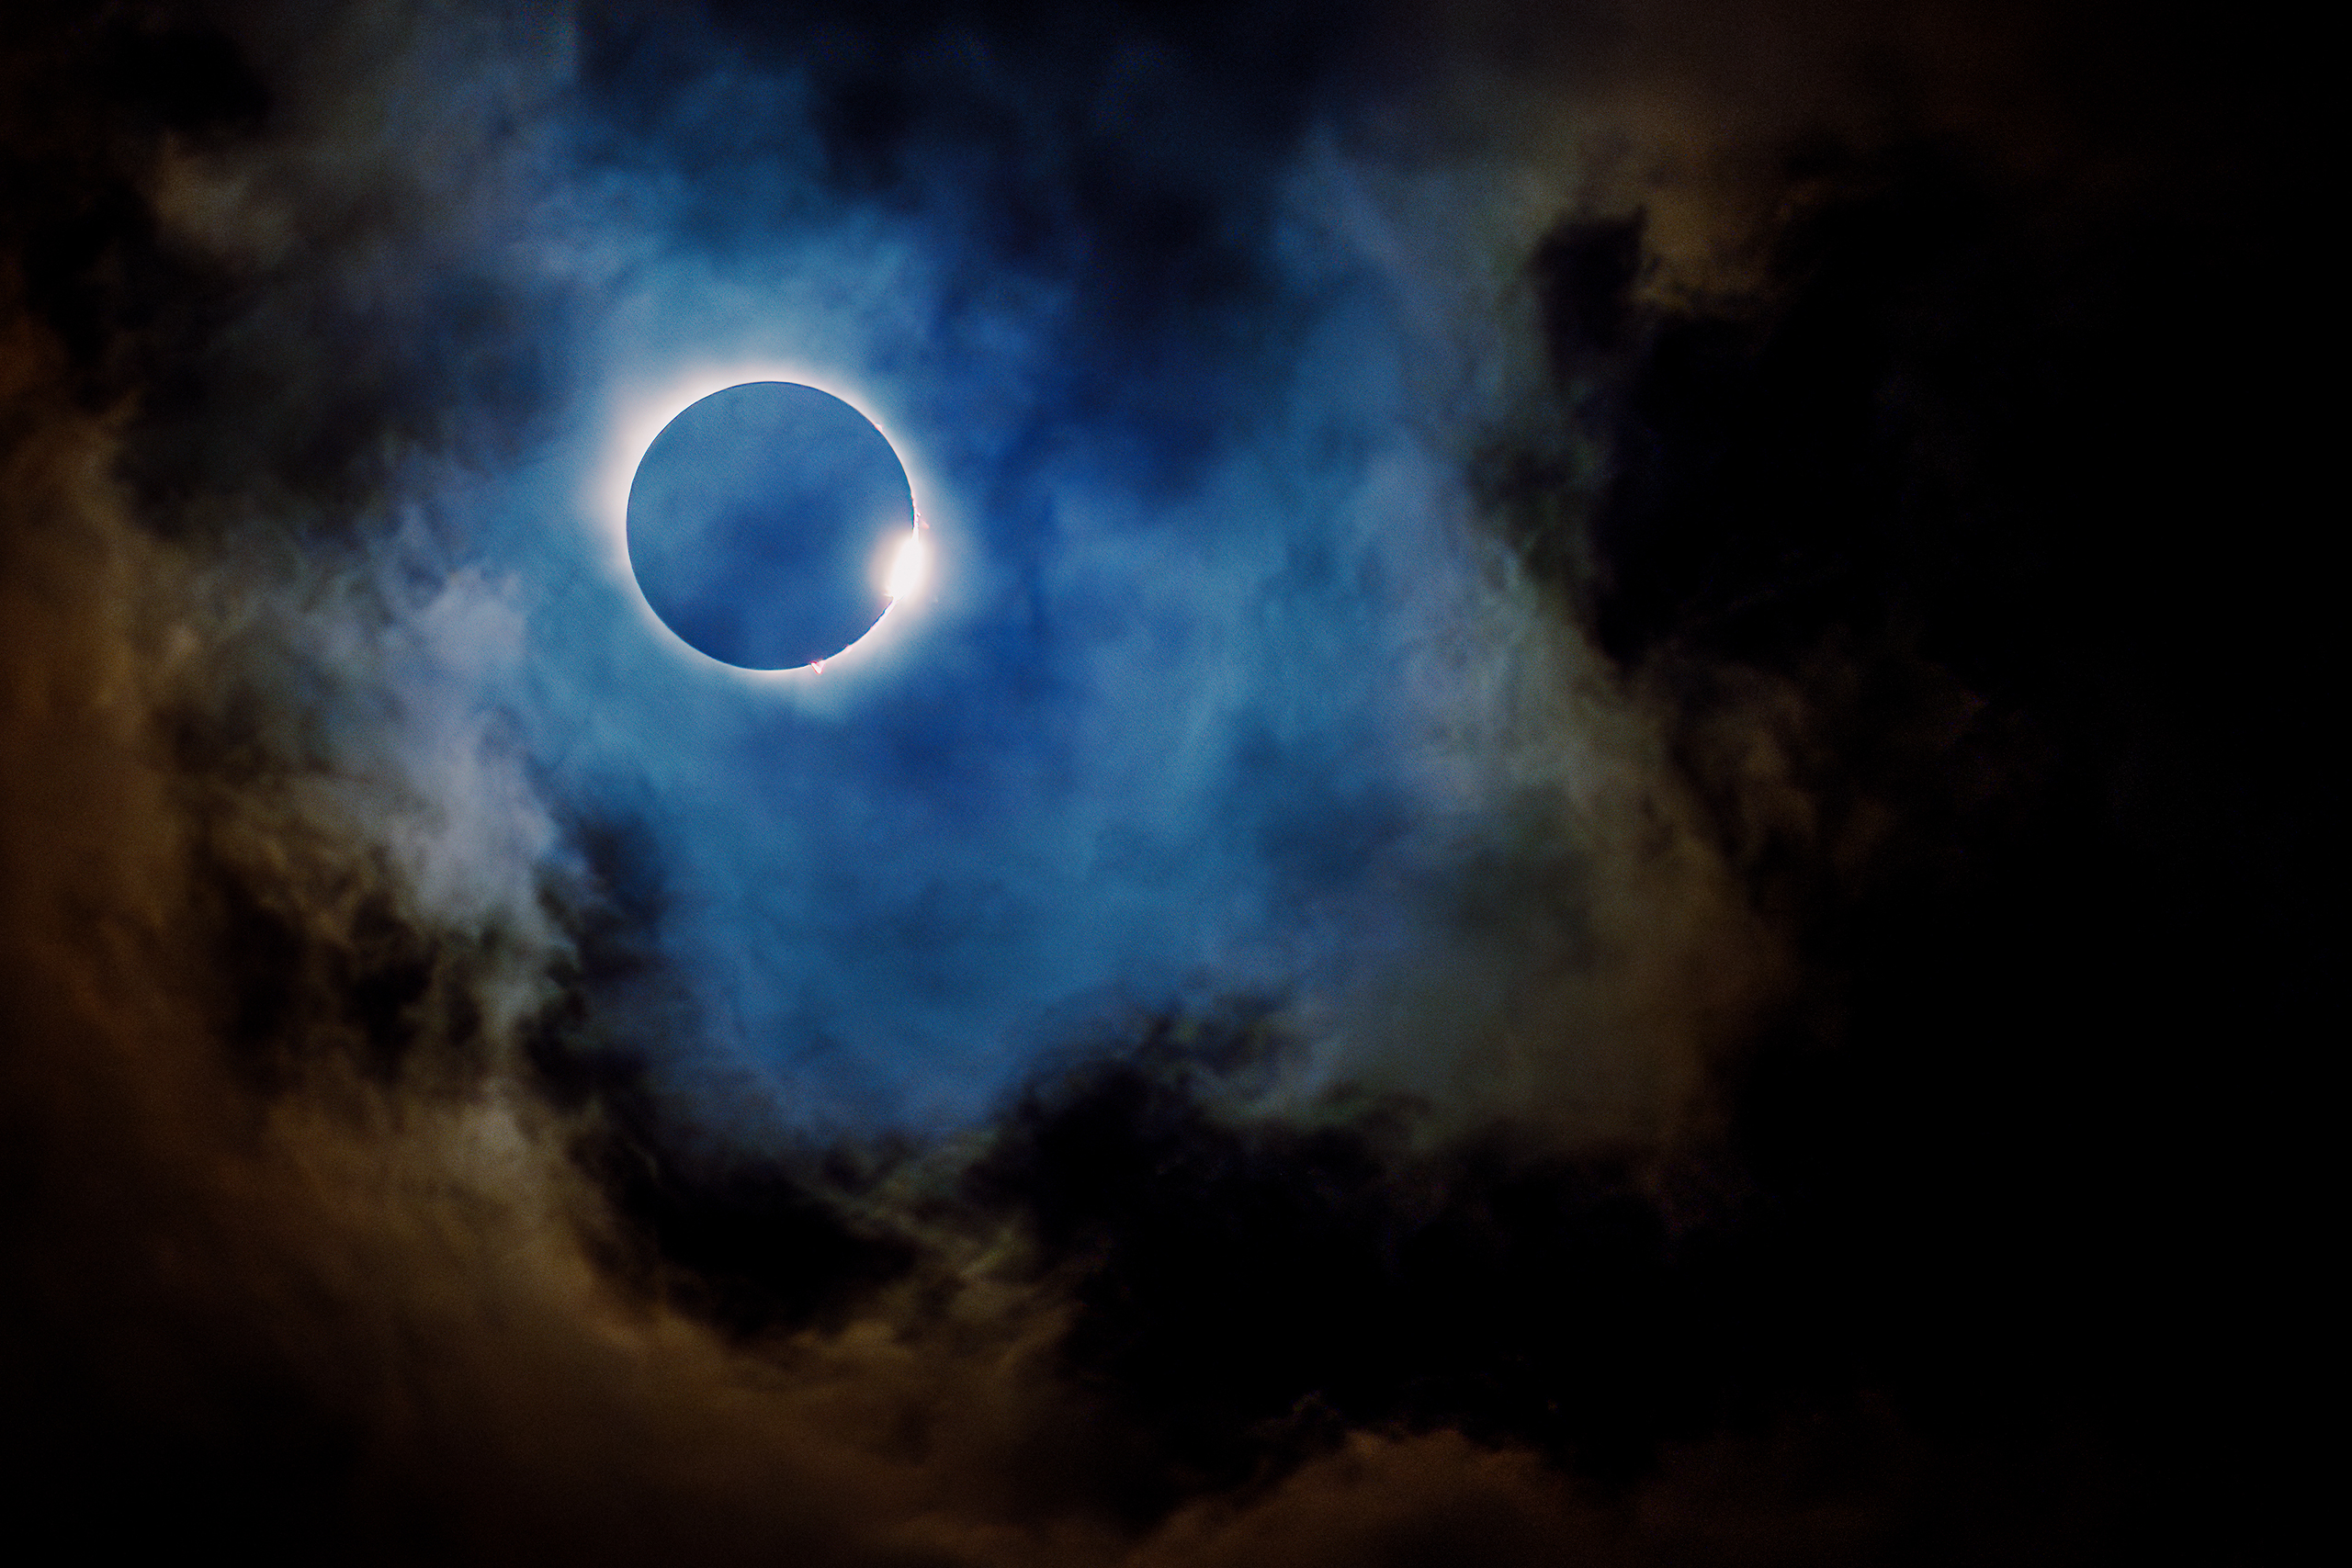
906, 571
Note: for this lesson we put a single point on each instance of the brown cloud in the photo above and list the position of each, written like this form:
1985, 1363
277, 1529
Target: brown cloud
308, 1243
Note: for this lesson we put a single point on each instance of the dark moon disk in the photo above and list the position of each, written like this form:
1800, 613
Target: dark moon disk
761, 522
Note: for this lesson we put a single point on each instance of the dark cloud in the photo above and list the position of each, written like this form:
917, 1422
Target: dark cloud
1599, 851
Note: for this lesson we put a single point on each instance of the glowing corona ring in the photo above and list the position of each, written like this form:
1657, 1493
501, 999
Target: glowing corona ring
898, 572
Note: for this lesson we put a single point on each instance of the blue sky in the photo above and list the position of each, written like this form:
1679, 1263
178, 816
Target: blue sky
1160, 728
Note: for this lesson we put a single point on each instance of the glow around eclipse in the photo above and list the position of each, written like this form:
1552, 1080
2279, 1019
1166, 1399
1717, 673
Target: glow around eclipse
900, 571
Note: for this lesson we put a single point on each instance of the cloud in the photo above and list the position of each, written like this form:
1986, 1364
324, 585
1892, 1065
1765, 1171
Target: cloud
1538, 891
